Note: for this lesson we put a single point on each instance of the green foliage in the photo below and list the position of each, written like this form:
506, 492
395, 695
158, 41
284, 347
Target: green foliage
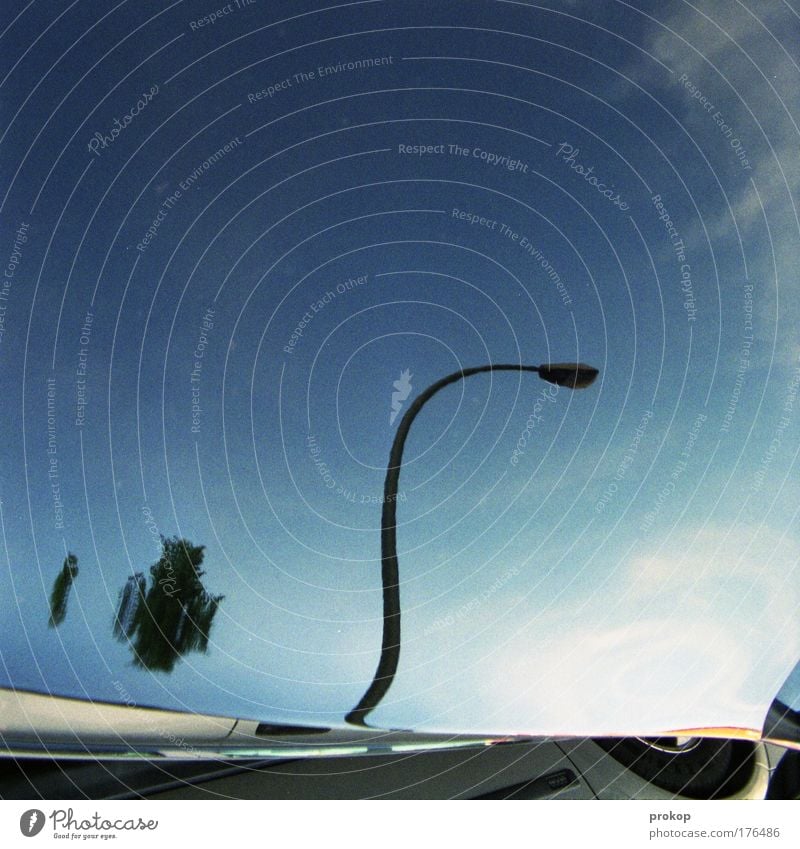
60, 592
172, 616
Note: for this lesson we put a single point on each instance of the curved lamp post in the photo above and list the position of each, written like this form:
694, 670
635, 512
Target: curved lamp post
571, 375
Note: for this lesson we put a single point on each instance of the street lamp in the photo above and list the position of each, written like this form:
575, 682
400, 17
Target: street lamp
570, 375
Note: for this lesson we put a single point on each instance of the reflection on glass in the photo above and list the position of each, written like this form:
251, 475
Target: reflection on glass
130, 596
61, 587
226, 342
172, 616
571, 375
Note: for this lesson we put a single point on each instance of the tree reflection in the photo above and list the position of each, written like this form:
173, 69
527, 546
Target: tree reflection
172, 616
132, 594
61, 587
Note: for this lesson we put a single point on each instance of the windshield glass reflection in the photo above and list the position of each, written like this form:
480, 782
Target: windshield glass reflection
236, 253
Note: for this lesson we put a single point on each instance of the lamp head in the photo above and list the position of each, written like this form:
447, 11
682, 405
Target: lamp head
571, 375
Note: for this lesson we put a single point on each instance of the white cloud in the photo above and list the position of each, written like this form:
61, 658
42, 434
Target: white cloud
744, 62
701, 635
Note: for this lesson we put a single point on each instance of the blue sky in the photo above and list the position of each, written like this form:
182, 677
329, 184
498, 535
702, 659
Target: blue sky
484, 182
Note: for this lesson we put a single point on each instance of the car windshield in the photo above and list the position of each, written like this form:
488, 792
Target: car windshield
241, 246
